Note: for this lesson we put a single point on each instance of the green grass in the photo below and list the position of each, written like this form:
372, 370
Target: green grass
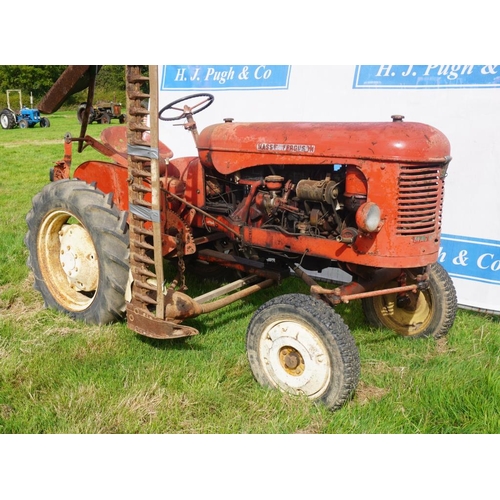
58, 376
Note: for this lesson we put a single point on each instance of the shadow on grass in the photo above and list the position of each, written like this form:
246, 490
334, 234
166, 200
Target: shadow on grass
177, 344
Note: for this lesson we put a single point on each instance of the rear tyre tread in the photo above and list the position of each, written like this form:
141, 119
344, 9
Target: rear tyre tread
104, 223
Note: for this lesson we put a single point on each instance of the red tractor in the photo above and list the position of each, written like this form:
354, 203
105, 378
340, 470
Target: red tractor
262, 200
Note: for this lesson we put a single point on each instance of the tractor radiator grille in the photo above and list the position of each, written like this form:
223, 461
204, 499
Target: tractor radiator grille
420, 200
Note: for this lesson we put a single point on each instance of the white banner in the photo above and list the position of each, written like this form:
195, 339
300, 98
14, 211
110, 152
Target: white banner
463, 101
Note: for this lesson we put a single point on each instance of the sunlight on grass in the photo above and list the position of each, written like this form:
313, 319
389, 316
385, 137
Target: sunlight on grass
62, 376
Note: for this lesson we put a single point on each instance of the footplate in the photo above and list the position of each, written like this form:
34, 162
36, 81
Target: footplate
156, 328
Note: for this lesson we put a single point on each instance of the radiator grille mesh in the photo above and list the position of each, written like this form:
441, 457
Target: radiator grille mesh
420, 200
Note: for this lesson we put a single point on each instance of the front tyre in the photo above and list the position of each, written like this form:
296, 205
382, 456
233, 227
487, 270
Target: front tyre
301, 346
430, 313
105, 119
7, 119
78, 251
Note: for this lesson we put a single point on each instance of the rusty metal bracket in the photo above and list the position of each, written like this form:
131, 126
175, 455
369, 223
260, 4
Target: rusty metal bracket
318, 290
356, 290
240, 263
156, 328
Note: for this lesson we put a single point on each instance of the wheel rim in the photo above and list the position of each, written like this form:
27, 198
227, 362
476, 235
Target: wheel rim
404, 321
68, 261
4, 121
295, 359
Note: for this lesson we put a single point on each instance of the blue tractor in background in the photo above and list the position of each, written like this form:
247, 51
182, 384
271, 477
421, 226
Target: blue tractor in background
24, 118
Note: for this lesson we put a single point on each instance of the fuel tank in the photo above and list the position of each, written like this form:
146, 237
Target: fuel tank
232, 146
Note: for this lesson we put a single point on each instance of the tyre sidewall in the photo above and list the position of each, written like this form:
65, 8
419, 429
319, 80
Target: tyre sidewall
330, 331
443, 306
7, 117
77, 197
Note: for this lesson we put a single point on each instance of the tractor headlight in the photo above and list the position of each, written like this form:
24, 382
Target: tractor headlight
368, 217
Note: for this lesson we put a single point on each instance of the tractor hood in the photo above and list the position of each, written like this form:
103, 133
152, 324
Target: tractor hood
229, 147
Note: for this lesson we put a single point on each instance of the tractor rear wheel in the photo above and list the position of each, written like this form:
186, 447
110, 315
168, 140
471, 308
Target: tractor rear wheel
429, 313
301, 346
78, 251
81, 111
7, 119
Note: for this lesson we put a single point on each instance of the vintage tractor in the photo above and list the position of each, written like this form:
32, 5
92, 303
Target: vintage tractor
102, 112
24, 117
262, 200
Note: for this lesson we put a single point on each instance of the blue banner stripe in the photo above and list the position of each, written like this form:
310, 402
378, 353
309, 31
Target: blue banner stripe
471, 258
228, 77
436, 76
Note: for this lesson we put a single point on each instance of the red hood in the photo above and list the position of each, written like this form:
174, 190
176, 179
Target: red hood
229, 147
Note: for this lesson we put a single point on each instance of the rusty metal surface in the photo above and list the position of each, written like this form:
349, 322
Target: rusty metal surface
293, 143
150, 326
360, 289
73, 79
375, 293
241, 264
213, 306
144, 313
179, 306
230, 287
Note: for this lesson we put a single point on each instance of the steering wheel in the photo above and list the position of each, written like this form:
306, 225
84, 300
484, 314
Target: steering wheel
186, 110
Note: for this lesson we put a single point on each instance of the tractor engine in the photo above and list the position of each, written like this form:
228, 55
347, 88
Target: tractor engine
282, 199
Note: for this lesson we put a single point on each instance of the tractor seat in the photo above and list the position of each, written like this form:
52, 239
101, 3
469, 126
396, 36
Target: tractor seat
116, 138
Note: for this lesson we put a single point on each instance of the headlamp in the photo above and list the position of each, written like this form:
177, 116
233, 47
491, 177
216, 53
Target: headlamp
368, 217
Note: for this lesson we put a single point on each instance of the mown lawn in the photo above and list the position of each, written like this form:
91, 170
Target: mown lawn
62, 377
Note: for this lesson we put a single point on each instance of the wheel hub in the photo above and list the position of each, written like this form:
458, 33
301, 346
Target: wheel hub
405, 317
291, 361
78, 258
295, 358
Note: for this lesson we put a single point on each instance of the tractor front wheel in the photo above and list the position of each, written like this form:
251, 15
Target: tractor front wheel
44, 122
428, 313
78, 251
7, 119
105, 119
301, 346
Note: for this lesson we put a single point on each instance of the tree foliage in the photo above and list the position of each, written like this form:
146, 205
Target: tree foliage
37, 80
